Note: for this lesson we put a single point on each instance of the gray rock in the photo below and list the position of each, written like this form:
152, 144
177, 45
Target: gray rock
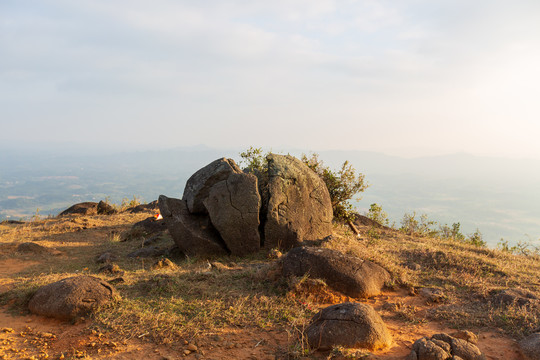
104, 208
432, 294
233, 206
352, 325
199, 184
193, 234
530, 346
72, 297
348, 274
33, 248
299, 206
84, 208
106, 258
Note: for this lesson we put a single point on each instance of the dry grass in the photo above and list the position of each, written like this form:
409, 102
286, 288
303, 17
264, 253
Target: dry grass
198, 299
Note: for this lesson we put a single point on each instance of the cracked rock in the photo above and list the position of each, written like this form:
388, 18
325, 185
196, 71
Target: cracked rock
233, 206
194, 234
199, 184
299, 206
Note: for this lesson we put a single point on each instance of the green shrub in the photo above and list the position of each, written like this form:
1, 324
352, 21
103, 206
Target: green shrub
342, 184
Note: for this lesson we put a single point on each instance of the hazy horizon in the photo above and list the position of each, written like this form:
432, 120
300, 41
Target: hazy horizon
408, 78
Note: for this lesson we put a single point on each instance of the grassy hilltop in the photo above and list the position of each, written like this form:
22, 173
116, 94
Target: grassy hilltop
242, 308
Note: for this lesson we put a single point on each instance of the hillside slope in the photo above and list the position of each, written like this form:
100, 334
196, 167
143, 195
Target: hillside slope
241, 307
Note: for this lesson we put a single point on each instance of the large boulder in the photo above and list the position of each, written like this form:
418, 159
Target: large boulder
72, 297
194, 234
199, 184
445, 347
350, 275
530, 346
233, 206
84, 208
299, 206
352, 325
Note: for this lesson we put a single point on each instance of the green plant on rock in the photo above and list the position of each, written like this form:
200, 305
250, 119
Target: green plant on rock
342, 185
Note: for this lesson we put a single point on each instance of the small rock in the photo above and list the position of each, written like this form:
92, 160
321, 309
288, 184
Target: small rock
352, 325
187, 352
112, 269
105, 258
33, 248
104, 208
192, 347
466, 335
432, 294
7, 330
164, 263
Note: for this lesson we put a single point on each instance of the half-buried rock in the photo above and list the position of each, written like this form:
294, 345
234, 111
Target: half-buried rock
194, 234
233, 206
299, 206
72, 297
199, 184
347, 274
352, 325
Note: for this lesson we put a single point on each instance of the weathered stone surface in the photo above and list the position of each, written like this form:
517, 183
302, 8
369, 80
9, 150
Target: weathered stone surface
530, 346
443, 346
199, 184
299, 206
72, 297
193, 234
84, 208
426, 349
104, 208
233, 206
351, 325
348, 274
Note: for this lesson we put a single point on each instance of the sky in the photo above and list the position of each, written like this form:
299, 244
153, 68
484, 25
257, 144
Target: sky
408, 77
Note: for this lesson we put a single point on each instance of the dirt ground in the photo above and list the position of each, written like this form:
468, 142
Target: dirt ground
27, 336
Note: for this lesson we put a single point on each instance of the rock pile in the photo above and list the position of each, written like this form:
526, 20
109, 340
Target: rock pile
222, 211
445, 347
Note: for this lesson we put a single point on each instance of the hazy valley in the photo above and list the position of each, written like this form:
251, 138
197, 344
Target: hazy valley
500, 197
